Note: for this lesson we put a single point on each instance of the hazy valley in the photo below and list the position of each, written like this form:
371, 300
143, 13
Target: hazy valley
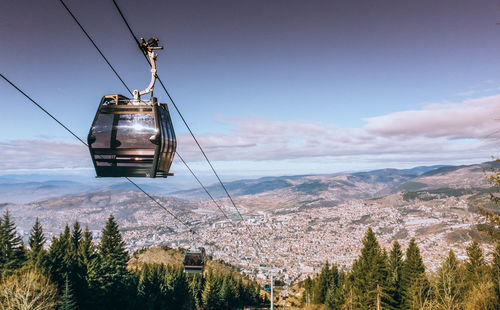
297, 222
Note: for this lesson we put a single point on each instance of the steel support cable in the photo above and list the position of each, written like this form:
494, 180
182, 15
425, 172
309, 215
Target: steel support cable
95, 45
84, 143
182, 117
178, 111
124, 84
206, 191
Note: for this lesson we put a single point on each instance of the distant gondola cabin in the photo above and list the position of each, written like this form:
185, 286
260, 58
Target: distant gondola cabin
194, 261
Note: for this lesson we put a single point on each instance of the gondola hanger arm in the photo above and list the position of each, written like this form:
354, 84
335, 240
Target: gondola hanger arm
148, 48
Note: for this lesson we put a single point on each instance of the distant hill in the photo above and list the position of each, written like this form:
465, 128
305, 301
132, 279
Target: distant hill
132, 208
329, 189
320, 212
454, 177
31, 188
17, 191
306, 190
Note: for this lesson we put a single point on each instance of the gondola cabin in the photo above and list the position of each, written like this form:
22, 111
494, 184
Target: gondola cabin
194, 261
132, 138
267, 286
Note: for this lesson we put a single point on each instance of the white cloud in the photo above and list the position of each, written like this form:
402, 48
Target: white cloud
437, 133
476, 118
40, 154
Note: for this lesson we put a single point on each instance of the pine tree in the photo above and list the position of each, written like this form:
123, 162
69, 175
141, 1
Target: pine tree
369, 271
225, 294
76, 270
66, 236
57, 262
336, 293
86, 247
414, 280
108, 275
210, 296
67, 300
475, 264
152, 288
322, 284
449, 283
196, 288
396, 276
86, 254
12, 252
112, 246
76, 237
36, 242
176, 280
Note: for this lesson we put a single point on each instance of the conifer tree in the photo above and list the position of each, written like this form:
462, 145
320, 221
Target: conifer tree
76, 271
66, 236
336, 293
86, 254
76, 237
67, 300
152, 289
322, 284
225, 294
369, 272
176, 280
414, 279
57, 260
108, 275
449, 283
12, 252
210, 296
395, 276
475, 264
86, 247
196, 288
36, 242
112, 246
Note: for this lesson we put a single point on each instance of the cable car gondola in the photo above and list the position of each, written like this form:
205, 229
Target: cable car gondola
267, 286
194, 261
132, 137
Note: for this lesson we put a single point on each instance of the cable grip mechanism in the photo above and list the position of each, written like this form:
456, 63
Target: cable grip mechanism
148, 47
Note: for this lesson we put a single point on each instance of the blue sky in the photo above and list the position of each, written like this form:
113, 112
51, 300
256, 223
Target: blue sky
270, 87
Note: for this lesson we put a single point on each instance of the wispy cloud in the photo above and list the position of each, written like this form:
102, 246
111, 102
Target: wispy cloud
461, 130
40, 154
472, 119
448, 132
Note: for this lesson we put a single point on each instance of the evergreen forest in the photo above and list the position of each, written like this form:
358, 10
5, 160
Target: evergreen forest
74, 272
397, 280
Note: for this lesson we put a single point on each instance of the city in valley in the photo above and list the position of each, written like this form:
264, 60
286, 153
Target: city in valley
293, 229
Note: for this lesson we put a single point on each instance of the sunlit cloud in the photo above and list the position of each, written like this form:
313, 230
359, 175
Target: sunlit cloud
437, 133
464, 130
476, 118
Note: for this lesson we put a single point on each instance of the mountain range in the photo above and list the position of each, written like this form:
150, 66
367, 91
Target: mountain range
322, 214
337, 187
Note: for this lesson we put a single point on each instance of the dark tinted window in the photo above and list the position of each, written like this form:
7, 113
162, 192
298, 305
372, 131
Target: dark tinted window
124, 131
